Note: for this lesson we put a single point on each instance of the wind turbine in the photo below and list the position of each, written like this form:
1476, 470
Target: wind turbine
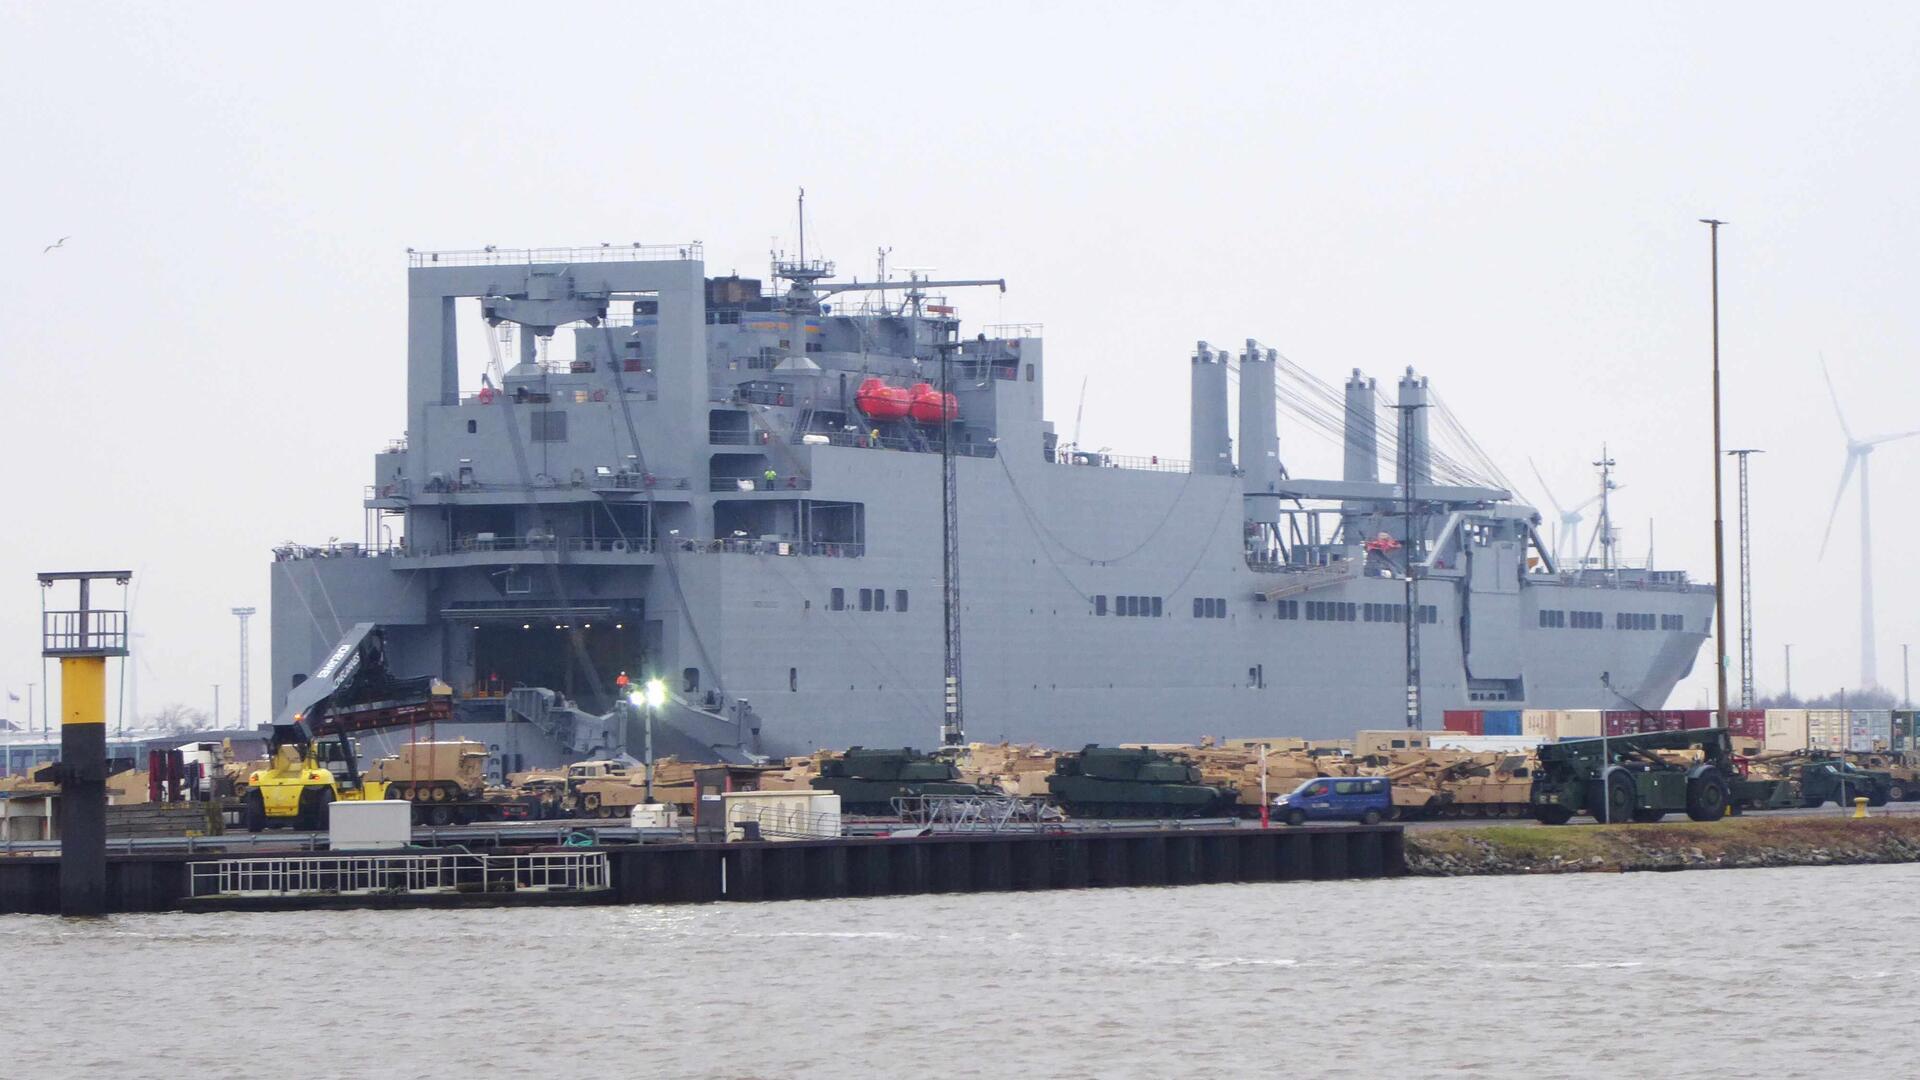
1859, 453
1565, 544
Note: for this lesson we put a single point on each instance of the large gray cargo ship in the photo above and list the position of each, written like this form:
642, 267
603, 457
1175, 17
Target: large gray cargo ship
737, 489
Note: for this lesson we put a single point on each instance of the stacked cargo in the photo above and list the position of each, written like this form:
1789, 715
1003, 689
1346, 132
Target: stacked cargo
1747, 723
1553, 724
1827, 729
1500, 722
1869, 730
1637, 721
1786, 730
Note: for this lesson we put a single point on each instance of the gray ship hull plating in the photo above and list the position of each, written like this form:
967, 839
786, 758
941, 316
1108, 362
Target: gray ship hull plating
716, 509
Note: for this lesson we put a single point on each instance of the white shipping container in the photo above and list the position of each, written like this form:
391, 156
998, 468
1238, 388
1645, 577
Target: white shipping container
1540, 723
1786, 729
1501, 744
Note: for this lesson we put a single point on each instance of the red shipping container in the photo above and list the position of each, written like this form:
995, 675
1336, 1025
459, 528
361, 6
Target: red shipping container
1747, 723
1465, 721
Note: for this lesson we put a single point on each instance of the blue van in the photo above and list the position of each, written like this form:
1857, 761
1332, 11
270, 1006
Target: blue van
1366, 799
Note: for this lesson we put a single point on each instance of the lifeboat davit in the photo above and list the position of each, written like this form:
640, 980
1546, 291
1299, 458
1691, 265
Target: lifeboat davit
879, 401
930, 406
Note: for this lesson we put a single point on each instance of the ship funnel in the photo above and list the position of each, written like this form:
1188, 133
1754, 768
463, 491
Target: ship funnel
1259, 423
1362, 430
1414, 447
1212, 450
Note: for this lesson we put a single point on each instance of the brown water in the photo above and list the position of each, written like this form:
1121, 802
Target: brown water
1774, 973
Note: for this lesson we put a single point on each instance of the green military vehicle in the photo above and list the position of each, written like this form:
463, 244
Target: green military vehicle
1840, 782
868, 781
1625, 778
1115, 782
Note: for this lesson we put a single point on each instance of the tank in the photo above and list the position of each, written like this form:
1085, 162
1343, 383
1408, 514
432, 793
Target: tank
868, 781
879, 401
927, 405
1111, 782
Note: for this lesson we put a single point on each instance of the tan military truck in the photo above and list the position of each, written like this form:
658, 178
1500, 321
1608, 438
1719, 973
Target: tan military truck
434, 772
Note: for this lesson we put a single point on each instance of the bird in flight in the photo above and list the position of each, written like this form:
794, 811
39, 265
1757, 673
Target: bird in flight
57, 243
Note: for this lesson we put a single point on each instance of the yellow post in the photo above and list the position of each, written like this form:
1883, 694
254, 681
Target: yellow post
1860, 807
83, 690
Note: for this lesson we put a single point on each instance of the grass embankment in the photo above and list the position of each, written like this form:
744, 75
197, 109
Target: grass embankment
1754, 840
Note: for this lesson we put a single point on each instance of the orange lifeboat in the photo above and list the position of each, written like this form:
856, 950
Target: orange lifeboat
930, 406
882, 402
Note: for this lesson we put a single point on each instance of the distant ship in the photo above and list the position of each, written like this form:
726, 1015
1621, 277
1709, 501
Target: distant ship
738, 491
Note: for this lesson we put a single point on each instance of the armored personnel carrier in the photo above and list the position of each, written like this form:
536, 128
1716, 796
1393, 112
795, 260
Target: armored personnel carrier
1115, 782
868, 781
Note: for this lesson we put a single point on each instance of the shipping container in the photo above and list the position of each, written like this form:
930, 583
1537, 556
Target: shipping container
1903, 725
1500, 744
1540, 723
1465, 721
1827, 729
1500, 722
1747, 723
1786, 730
1581, 723
1869, 730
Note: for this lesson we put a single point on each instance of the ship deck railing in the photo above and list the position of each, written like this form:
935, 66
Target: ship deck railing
611, 481
1100, 459
929, 444
789, 482
564, 396
747, 545
492, 256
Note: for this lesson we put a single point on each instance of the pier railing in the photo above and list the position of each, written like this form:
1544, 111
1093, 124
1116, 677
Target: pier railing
316, 874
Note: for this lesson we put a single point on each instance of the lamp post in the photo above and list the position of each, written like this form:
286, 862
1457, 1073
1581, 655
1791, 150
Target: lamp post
1719, 524
649, 698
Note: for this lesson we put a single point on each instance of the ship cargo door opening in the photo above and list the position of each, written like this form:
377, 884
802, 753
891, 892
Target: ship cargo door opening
1492, 624
533, 653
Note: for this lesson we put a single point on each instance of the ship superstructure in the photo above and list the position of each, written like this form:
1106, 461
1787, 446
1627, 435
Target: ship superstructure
737, 488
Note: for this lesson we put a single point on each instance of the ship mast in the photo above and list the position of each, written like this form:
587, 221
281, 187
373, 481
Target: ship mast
952, 728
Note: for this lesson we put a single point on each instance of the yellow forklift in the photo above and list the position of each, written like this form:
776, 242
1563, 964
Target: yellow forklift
312, 755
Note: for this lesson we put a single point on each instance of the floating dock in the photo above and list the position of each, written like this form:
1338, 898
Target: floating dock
714, 872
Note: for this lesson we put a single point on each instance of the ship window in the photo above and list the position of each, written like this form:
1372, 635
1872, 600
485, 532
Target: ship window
1029, 372
1429, 613
549, 425
793, 679
1156, 607
1199, 608
1100, 604
473, 426
879, 599
837, 600
899, 599
866, 599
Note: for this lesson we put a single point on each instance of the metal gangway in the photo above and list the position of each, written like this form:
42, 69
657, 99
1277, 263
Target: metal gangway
978, 813
401, 872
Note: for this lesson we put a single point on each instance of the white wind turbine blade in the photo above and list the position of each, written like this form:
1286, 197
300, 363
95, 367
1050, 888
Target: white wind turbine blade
1846, 474
1831, 393
1892, 438
1551, 501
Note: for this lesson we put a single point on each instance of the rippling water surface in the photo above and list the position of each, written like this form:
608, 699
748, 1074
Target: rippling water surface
1724, 973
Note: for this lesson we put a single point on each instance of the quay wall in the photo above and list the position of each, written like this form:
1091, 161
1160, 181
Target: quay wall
823, 869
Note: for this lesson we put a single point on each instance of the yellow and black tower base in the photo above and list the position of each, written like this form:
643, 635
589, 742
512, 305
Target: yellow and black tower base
82, 638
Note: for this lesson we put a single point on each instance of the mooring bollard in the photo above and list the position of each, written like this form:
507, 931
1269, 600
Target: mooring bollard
1860, 806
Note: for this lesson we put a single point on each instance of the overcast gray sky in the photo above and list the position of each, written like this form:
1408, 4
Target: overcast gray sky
1500, 194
